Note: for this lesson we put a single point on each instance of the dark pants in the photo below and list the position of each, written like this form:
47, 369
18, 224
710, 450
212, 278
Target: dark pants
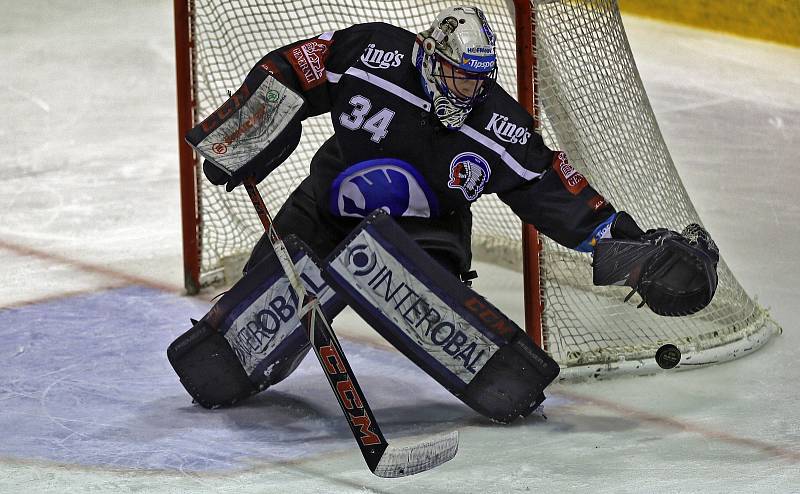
446, 239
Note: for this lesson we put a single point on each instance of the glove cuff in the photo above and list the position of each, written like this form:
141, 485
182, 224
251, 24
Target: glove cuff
625, 227
214, 174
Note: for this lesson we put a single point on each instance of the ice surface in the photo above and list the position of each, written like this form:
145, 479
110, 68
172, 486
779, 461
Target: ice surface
90, 248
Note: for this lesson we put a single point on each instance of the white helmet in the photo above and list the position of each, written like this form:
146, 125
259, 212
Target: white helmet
457, 62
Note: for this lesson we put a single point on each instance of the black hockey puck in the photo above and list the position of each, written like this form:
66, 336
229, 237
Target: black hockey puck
668, 356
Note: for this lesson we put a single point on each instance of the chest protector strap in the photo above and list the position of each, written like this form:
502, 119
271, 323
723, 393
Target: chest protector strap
443, 326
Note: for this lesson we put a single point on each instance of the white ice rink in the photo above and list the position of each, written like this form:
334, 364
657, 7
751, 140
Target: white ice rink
91, 294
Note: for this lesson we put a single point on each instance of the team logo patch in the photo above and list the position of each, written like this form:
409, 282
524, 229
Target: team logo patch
572, 179
389, 184
470, 173
308, 61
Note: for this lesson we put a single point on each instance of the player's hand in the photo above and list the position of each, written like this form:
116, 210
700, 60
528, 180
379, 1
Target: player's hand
674, 273
218, 177
215, 175
681, 277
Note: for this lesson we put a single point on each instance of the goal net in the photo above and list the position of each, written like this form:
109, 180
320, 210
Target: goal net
591, 104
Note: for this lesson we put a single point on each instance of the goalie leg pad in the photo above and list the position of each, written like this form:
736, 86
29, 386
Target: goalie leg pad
208, 367
251, 338
447, 329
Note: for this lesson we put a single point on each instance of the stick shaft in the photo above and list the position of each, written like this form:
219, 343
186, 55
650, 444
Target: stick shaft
327, 348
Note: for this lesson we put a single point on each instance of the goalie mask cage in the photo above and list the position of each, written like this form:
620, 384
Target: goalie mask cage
589, 101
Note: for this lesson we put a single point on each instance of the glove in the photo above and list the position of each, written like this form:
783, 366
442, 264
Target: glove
214, 174
217, 176
259, 165
674, 273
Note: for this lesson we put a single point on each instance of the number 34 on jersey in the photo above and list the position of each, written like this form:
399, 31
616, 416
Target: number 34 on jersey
359, 117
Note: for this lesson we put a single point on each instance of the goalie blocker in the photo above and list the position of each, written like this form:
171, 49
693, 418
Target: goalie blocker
252, 337
252, 133
447, 329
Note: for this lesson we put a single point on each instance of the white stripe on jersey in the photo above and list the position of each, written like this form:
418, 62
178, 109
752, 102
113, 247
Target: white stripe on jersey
425, 105
385, 85
333, 76
507, 158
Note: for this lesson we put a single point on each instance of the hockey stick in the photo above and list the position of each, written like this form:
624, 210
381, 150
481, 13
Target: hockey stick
382, 459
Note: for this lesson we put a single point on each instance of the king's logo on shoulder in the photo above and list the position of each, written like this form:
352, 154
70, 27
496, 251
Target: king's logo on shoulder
376, 58
506, 130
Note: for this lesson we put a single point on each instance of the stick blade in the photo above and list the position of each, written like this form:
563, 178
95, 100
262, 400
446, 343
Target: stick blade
410, 460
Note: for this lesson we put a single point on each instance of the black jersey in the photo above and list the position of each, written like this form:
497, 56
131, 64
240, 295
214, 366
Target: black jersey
389, 151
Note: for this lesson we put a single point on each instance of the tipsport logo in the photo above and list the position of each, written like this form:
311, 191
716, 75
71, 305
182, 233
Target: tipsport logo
478, 63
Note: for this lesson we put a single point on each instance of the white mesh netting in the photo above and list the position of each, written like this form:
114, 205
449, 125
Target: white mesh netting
593, 106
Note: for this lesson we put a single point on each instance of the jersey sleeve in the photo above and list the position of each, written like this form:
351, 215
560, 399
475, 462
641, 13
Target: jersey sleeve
300, 68
305, 66
560, 203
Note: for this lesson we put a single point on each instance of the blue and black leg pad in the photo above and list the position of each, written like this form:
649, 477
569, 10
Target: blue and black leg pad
447, 329
251, 338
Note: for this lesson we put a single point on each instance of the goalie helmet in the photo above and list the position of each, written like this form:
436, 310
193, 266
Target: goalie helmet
458, 62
